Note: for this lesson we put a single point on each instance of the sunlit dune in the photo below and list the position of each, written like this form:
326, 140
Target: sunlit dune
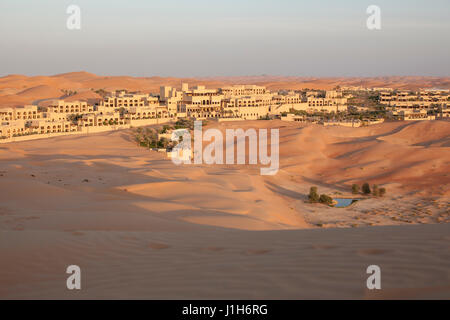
128, 215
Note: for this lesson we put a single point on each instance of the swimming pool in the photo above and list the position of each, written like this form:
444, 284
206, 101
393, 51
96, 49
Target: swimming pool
344, 202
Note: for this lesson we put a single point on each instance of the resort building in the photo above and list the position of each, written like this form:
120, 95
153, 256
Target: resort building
352, 123
428, 99
412, 114
29, 112
242, 90
13, 128
45, 126
122, 109
73, 107
327, 104
123, 99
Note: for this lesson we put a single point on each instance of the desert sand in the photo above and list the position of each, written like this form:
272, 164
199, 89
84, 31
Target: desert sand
17, 90
141, 227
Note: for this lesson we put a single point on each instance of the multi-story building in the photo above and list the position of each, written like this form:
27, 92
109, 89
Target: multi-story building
412, 114
428, 99
72, 107
241, 101
242, 90
123, 99
327, 104
200, 102
13, 128
44, 126
29, 112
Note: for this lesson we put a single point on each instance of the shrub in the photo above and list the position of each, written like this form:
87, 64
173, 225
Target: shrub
355, 189
162, 143
165, 129
326, 199
382, 192
143, 144
375, 190
366, 188
313, 195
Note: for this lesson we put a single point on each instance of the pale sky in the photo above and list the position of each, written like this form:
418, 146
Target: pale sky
202, 38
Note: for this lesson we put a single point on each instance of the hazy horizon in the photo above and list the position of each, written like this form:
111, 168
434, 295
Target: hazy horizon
215, 77
226, 39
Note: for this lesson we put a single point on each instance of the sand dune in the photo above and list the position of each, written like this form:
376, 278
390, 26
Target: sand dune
141, 227
37, 87
224, 264
86, 95
40, 92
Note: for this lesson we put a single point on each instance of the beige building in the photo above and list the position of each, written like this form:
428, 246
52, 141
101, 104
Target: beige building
44, 126
444, 113
201, 103
327, 104
13, 128
69, 107
428, 99
149, 112
353, 123
293, 118
243, 102
101, 119
28, 112
242, 90
289, 98
412, 114
122, 99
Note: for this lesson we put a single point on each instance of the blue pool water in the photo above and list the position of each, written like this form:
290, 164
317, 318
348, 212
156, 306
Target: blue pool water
343, 202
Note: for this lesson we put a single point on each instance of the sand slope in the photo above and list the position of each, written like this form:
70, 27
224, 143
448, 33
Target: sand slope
141, 227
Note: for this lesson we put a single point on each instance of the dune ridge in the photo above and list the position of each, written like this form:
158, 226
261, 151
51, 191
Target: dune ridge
16, 90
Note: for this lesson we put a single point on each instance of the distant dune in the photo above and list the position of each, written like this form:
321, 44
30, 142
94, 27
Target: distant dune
39, 92
87, 95
78, 81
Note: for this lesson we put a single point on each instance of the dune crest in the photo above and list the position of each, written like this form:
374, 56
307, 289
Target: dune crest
82, 80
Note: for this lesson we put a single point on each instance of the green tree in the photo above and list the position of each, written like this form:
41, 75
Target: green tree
375, 190
355, 189
313, 195
382, 192
366, 188
162, 143
74, 118
325, 199
165, 129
